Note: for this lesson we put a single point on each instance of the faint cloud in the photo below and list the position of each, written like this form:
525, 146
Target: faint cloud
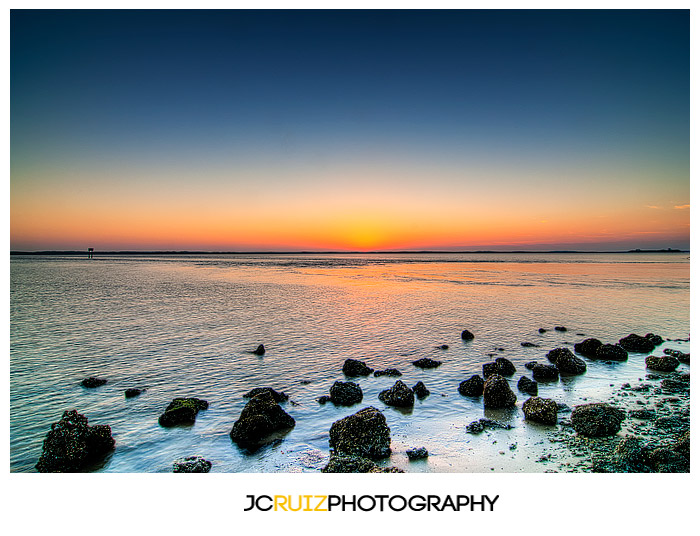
653, 206
681, 207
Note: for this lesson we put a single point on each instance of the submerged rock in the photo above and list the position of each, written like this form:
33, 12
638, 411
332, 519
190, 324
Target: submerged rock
545, 373
132, 392
260, 350
527, 386
662, 363
560, 328
474, 386
191, 464
364, 434
443, 347
588, 347
597, 420
323, 399
399, 396
656, 340
635, 343
279, 396
387, 372
542, 330
354, 368
497, 392
476, 427
348, 464
417, 453
568, 363
529, 345
71, 444
467, 335
611, 352
91, 382
182, 411
426, 362
420, 390
261, 418
345, 393
542, 410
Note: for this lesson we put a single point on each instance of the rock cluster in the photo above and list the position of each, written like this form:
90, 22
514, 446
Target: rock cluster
71, 444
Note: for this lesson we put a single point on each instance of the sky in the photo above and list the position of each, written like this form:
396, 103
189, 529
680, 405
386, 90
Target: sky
349, 130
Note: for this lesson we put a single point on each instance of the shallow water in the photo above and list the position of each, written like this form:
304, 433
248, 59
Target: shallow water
184, 326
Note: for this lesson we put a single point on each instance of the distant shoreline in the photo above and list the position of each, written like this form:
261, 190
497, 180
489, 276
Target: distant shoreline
401, 252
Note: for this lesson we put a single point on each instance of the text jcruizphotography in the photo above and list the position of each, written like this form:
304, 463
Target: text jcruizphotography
368, 503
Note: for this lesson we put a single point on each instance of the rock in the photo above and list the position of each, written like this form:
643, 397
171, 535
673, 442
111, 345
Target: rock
545, 373
71, 444
665, 460
553, 355
530, 365
529, 345
682, 357
278, 396
568, 363
132, 392
474, 386
417, 453
611, 352
387, 372
560, 328
527, 386
323, 399
682, 445
345, 393
443, 347
656, 340
476, 427
632, 455
542, 330
348, 464
91, 382
420, 390
260, 419
542, 410
674, 386
642, 414
191, 464
182, 411
635, 343
488, 369
399, 396
497, 393
588, 347
426, 362
662, 363
467, 335
354, 368
504, 366
364, 434
260, 350
597, 420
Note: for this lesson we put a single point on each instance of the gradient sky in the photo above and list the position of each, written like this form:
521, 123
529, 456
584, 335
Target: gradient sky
289, 130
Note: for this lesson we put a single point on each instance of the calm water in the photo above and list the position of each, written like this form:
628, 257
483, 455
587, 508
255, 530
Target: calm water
184, 326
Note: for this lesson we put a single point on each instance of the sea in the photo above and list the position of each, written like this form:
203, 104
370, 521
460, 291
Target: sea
185, 325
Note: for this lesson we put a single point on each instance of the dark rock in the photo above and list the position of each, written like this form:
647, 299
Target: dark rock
354, 368
443, 347
399, 396
527, 386
656, 340
71, 444
682, 445
635, 343
345, 393
568, 363
682, 357
545, 373
488, 369
666, 460
674, 386
348, 464
260, 350
474, 386
504, 367
278, 396
563, 407
364, 434
417, 453
611, 352
529, 345
597, 420
467, 335
588, 347
260, 419
420, 390
323, 399
542, 330
542, 410
91, 382
497, 392
132, 392
387, 372
191, 464
553, 355
642, 414
632, 455
560, 328
530, 365
476, 427
426, 362
182, 411
662, 363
